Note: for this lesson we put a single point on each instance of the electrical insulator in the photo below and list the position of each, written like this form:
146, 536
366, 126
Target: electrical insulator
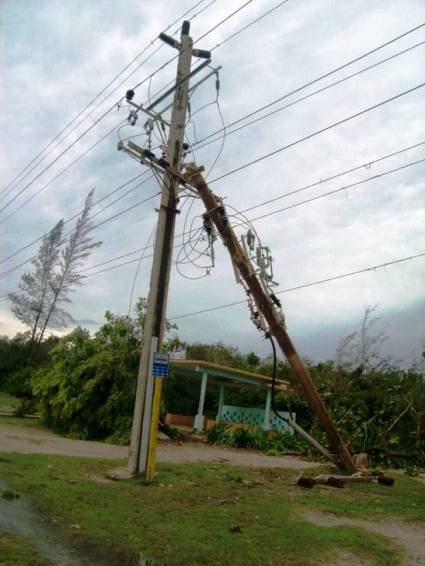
132, 118
223, 215
207, 223
148, 126
250, 240
163, 163
265, 263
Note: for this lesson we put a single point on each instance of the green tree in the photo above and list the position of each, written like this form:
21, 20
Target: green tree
362, 349
88, 390
31, 304
67, 276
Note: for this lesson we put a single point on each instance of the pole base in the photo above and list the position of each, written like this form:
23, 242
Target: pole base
120, 474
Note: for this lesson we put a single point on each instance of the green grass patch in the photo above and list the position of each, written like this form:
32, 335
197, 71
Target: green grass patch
18, 552
405, 500
7, 402
185, 516
20, 421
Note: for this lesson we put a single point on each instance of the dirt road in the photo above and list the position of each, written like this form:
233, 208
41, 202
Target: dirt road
14, 438
409, 536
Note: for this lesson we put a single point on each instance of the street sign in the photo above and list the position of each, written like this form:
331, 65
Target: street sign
161, 364
178, 354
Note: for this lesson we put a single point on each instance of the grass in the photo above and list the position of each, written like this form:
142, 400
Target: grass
185, 515
20, 421
7, 402
18, 551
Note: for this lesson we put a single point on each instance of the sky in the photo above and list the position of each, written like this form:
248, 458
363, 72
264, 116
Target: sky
56, 56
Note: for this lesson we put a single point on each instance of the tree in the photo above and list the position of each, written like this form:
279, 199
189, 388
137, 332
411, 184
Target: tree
31, 305
88, 389
80, 245
361, 350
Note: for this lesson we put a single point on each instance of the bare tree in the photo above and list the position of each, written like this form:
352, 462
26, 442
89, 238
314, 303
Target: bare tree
80, 245
362, 348
31, 304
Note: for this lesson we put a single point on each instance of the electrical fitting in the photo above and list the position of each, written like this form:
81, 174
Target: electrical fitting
132, 118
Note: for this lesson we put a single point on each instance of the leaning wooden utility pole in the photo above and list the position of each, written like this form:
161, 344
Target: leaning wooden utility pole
148, 393
216, 211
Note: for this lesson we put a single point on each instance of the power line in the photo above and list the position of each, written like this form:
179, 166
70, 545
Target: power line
111, 93
346, 187
12, 255
114, 105
249, 25
366, 164
120, 213
29, 199
343, 188
317, 79
227, 132
61, 155
305, 285
336, 176
248, 115
263, 157
320, 90
317, 132
98, 95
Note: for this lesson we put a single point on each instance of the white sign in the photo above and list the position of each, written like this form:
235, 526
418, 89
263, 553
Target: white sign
178, 355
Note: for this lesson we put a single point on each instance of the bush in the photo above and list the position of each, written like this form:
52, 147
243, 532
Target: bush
16, 366
88, 390
253, 437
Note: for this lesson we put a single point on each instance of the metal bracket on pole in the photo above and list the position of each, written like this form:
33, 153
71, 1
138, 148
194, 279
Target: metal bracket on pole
178, 84
154, 115
192, 88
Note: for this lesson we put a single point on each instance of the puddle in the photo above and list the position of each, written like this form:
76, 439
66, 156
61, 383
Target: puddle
18, 518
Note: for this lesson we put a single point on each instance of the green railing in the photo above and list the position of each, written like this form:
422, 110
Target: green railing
246, 415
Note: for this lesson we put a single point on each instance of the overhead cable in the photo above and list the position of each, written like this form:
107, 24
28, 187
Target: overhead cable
321, 181
344, 188
61, 172
226, 132
317, 132
317, 79
98, 95
305, 285
114, 105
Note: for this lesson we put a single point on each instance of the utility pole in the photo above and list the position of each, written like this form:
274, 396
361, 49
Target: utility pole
148, 394
267, 306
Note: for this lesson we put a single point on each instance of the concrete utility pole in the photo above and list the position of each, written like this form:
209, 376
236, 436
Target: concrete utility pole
148, 395
265, 304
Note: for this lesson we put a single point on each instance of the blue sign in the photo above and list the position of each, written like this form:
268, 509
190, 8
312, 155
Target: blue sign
161, 365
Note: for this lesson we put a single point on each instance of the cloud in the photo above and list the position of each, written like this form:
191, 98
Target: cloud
58, 55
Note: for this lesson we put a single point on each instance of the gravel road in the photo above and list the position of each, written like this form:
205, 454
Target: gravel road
14, 438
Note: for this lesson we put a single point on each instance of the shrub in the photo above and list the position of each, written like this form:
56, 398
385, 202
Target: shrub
88, 390
253, 437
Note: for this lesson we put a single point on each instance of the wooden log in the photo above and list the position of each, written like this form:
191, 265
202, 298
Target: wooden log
306, 482
385, 480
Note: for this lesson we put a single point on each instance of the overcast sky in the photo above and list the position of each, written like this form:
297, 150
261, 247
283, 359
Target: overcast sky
57, 55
